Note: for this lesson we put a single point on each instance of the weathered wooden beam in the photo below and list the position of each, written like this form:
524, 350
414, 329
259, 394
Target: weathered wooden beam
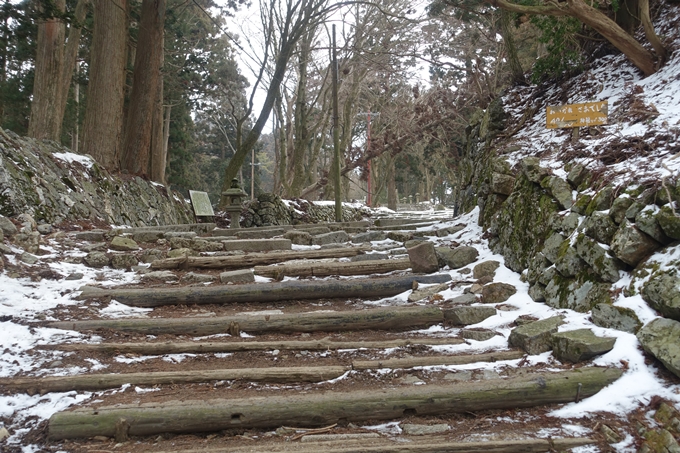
320, 409
107, 381
262, 292
183, 347
254, 259
429, 445
386, 318
411, 362
103, 381
325, 269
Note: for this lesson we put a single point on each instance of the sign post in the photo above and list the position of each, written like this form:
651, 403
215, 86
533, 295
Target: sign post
577, 115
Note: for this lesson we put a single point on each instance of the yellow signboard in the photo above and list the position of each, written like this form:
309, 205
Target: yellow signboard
577, 115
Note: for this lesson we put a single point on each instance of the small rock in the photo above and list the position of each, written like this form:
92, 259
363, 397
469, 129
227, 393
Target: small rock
423, 430
537, 292
525, 319
601, 201
465, 299
662, 292
426, 292
458, 257
577, 175
494, 293
459, 376
619, 207
239, 276
334, 237
5, 250
502, 184
476, 288
90, 236
468, 315
164, 276
4, 434
532, 169
7, 227
477, 334
75, 276
45, 228
148, 236
485, 268
551, 247
201, 245
123, 261
181, 252
411, 379
28, 258
96, 259
400, 236
55, 364
600, 227
123, 244
298, 237
197, 278
669, 220
535, 337
560, 190
423, 258
579, 345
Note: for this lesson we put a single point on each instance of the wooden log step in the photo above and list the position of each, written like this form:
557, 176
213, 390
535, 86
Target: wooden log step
184, 347
280, 375
254, 259
412, 362
325, 269
262, 292
93, 382
322, 409
387, 318
429, 445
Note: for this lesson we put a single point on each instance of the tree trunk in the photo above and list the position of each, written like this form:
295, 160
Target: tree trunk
103, 128
157, 164
628, 15
516, 71
652, 37
322, 409
47, 87
253, 259
264, 292
325, 269
94, 382
173, 347
391, 318
143, 99
70, 57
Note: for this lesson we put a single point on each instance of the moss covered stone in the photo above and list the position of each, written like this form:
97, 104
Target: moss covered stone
535, 337
523, 223
560, 190
579, 294
578, 175
661, 338
601, 201
532, 170
631, 245
552, 245
619, 207
579, 345
600, 227
662, 292
581, 204
613, 317
669, 221
604, 265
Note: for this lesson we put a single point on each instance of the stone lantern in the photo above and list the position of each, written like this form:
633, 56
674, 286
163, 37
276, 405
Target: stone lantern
234, 195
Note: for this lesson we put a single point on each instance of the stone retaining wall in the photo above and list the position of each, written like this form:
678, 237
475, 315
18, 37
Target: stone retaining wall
52, 184
270, 209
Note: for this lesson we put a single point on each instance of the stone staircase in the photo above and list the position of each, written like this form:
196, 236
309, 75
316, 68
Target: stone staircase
257, 340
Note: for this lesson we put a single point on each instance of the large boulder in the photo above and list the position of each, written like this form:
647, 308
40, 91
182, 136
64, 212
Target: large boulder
423, 258
631, 245
458, 257
535, 337
579, 294
580, 345
602, 201
669, 221
600, 227
647, 222
485, 269
662, 292
468, 315
661, 338
613, 317
123, 244
497, 292
560, 189
605, 266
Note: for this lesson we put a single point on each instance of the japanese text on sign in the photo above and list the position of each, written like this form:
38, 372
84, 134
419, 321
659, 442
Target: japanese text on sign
577, 115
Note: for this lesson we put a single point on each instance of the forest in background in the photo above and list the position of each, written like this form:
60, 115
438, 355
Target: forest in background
153, 87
